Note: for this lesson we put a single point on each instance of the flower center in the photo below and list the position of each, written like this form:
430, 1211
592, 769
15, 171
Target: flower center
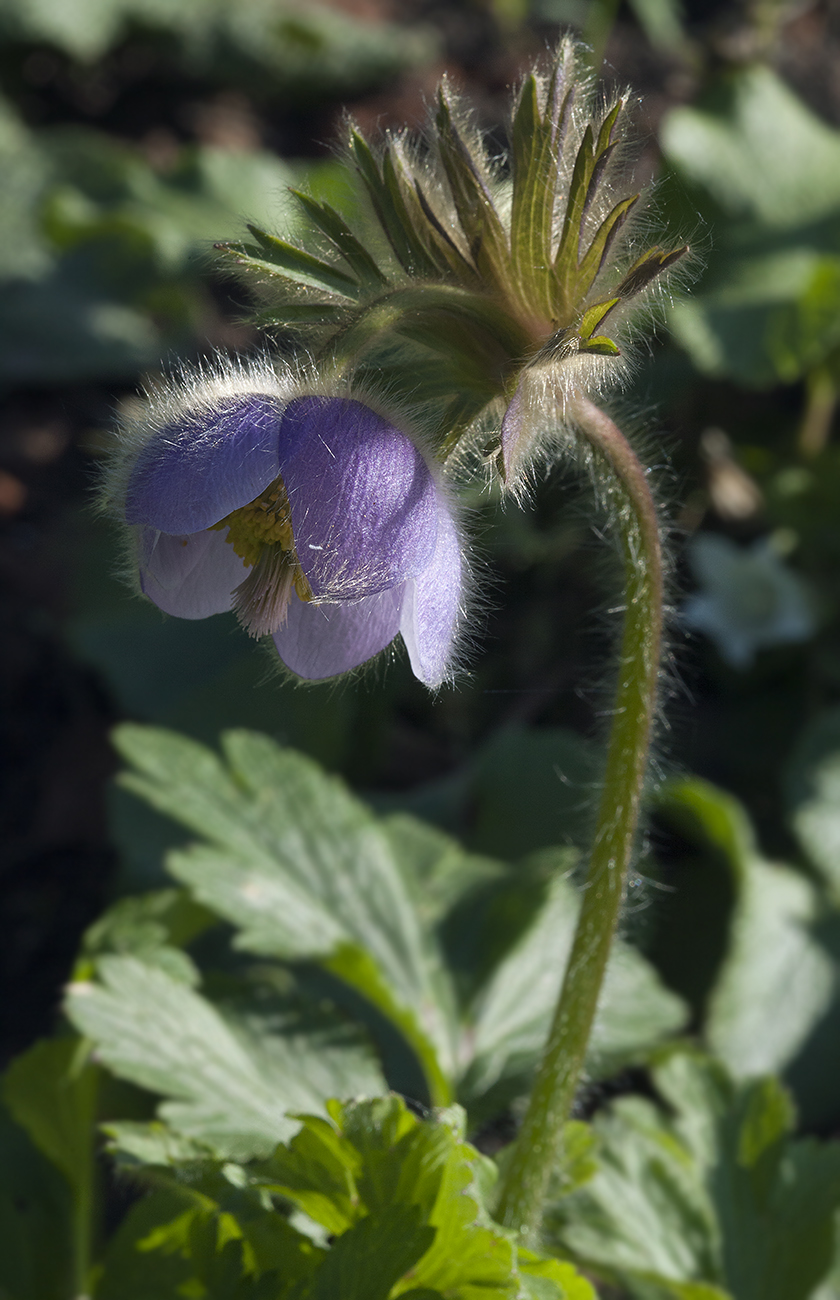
261, 535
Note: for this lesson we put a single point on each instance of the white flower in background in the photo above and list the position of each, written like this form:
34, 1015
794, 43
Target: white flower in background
748, 597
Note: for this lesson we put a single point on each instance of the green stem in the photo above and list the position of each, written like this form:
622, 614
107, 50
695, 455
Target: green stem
631, 504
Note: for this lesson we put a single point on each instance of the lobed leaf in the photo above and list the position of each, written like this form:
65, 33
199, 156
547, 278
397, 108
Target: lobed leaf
512, 1011
303, 870
231, 1074
709, 1200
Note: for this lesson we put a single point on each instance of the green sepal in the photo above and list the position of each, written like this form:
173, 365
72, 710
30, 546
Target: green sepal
593, 259
647, 268
403, 198
565, 263
573, 273
595, 316
448, 319
605, 135
360, 261
298, 313
391, 214
473, 202
442, 243
601, 346
277, 257
534, 192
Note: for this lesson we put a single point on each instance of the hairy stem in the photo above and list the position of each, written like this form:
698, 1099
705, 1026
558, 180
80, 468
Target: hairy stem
538, 1145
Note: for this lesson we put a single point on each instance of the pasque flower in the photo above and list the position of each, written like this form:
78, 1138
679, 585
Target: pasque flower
312, 515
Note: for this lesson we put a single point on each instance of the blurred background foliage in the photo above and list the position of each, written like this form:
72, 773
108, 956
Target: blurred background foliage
134, 134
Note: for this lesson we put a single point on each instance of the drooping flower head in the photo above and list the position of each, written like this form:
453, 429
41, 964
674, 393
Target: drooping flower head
497, 287
484, 295
311, 514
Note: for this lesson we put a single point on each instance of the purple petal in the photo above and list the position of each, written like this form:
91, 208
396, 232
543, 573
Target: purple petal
195, 472
432, 606
319, 641
190, 576
363, 502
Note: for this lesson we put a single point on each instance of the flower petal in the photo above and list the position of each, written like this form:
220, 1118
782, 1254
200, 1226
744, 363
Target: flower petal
363, 501
432, 606
319, 641
190, 576
195, 472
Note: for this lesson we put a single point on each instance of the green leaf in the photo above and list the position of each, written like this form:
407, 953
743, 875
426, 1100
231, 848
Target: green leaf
403, 1201
437, 870
371, 1257
763, 318
134, 1144
36, 1220
232, 1074
712, 1200
51, 1091
813, 796
303, 870
153, 927
783, 177
776, 979
512, 1013
661, 22
180, 1241
766, 309
551, 1279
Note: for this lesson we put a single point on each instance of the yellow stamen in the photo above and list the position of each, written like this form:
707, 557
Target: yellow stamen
265, 520
261, 535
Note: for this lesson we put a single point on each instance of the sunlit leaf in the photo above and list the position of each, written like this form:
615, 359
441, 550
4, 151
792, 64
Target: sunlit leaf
303, 870
232, 1074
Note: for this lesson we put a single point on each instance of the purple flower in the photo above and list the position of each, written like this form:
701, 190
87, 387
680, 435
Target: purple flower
314, 518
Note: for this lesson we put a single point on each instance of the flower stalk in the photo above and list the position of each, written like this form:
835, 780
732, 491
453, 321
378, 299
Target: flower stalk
525, 1183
